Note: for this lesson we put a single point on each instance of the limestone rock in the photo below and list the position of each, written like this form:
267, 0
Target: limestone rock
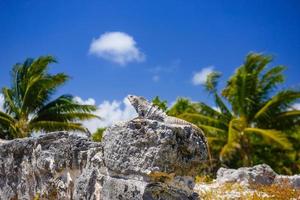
143, 146
293, 181
46, 166
139, 159
242, 182
259, 174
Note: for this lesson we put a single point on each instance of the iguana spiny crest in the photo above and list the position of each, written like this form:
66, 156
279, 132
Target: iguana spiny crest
148, 110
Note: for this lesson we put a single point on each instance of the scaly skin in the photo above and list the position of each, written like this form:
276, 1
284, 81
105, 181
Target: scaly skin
148, 110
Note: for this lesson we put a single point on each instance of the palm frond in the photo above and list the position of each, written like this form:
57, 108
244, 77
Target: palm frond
232, 140
65, 103
257, 62
280, 101
65, 109
238, 89
212, 139
206, 110
202, 119
212, 81
292, 113
8, 123
9, 104
270, 79
39, 89
40, 65
225, 111
49, 126
213, 129
65, 117
274, 135
7, 116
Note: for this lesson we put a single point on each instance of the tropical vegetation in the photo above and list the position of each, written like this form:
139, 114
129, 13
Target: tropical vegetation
162, 104
98, 134
253, 121
28, 107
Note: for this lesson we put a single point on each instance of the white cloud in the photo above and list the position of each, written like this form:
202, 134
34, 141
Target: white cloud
296, 106
110, 113
1, 101
89, 101
117, 47
200, 77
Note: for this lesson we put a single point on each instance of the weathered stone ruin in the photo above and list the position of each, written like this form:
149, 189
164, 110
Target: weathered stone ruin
138, 159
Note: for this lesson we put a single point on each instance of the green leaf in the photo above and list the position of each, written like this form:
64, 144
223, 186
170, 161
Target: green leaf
202, 119
281, 99
225, 111
275, 135
49, 126
212, 81
161, 104
233, 139
212, 129
9, 104
292, 113
97, 136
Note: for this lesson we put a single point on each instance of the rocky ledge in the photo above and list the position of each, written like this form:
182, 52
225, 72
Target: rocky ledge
138, 159
257, 182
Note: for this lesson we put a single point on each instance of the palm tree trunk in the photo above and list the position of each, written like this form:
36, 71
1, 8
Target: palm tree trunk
245, 151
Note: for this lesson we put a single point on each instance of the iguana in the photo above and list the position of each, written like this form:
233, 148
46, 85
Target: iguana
148, 110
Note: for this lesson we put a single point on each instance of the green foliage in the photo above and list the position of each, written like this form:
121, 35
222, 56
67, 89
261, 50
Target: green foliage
161, 104
181, 106
27, 104
253, 118
212, 81
97, 136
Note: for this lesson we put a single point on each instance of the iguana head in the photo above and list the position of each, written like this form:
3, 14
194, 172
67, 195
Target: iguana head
139, 103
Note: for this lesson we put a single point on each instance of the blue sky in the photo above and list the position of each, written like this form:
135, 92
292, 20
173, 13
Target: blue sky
167, 42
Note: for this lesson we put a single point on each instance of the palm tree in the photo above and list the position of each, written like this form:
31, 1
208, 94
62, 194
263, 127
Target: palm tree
258, 113
27, 105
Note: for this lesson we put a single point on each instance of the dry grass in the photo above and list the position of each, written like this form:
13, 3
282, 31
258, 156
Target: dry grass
203, 179
253, 192
278, 191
